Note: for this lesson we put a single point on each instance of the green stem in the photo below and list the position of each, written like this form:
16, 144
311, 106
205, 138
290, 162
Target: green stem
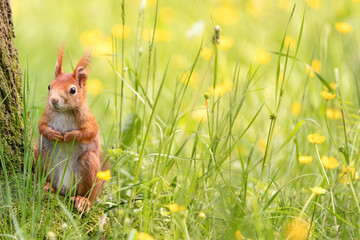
267, 148
322, 166
352, 189
185, 230
346, 150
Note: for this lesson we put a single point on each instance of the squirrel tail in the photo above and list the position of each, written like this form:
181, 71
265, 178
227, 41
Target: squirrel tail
104, 162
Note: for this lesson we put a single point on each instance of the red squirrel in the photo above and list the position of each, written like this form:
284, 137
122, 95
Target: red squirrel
68, 126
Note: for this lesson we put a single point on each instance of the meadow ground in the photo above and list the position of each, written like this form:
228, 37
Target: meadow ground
247, 132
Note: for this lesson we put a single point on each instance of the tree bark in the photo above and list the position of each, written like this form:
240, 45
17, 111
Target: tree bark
11, 104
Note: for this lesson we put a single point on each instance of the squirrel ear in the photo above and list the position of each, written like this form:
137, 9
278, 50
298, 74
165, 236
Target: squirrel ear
80, 72
81, 76
58, 67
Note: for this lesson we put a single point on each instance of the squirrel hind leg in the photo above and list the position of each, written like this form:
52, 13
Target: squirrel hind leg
48, 187
87, 167
82, 204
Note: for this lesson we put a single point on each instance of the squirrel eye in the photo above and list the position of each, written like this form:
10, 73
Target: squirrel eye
49, 87
73, 90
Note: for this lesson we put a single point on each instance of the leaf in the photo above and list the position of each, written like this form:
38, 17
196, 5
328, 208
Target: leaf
174, 182
292, 134
278, 191
321, 79
130, 130
269, 185
336, 215
132, 234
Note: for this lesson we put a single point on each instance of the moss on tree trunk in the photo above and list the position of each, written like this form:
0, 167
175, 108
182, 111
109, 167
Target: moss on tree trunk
11, 105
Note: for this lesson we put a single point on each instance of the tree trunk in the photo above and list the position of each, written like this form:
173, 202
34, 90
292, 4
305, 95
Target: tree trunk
11, 104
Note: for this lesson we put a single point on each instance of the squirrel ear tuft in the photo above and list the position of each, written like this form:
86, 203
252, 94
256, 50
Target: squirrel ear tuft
58, 67
80, 72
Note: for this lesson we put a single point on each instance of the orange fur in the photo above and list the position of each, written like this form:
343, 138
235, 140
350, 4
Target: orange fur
68, 120
58, 68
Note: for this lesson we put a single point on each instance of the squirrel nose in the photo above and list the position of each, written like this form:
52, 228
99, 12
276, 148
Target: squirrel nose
54, 100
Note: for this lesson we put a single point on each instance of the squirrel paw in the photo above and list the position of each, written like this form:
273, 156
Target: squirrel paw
81, 203
55, 135
47, 187
69, 136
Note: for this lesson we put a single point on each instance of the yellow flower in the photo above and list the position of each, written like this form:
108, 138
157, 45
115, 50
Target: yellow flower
343, 27
143, 236
316, 65
174, 207
91, 37
222, 88
161, 35
202, 215
262, 56
193, 79
117, 31
327, 95
94, 86
305, 159
226, 42
332, 85
344, 174
99, 44
315, 138
238, 235
333, 113
329, 163
296, 229
199, 114
316, 4
104, 175
206, 53
289, 42
296, 108
318, 190
103, 47
262, 144
227, 15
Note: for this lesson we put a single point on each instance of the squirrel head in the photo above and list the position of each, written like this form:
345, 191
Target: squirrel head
67, 91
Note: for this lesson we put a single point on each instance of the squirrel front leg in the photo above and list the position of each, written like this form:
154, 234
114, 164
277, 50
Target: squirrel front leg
49, 133
69, 136
85, 134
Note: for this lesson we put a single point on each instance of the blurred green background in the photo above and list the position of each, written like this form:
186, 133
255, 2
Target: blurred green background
251, 31
248, 28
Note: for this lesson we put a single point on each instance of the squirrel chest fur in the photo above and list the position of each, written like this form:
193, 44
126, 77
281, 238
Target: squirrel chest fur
65, 154
69, 149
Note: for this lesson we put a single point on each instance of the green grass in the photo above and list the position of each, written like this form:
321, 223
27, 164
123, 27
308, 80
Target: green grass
232, 156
